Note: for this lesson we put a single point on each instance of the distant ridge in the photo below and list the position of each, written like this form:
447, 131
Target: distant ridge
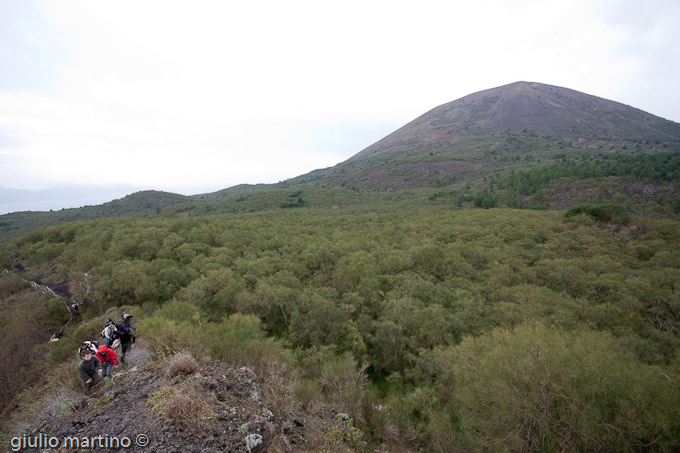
519, 145
139, 204
233, 190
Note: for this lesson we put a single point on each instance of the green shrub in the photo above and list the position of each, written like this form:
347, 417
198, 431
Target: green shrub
606, 213
539, 207
240, 341
676, 206
307, 391
343, 382
179, 311
57, 308
167, 336
293, 204
545, 389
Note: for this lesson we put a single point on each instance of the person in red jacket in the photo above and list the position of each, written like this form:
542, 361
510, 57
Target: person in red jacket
108, 359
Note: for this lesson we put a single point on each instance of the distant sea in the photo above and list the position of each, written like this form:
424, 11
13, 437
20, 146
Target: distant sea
61, 197
46, 205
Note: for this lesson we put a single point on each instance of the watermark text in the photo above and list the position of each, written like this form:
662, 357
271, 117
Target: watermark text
102, 441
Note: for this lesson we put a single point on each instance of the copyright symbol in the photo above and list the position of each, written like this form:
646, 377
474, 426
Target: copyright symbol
142, 440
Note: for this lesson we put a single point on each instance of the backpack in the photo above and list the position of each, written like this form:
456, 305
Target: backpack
106, 326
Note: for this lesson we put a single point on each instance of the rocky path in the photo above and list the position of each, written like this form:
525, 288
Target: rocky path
215, 408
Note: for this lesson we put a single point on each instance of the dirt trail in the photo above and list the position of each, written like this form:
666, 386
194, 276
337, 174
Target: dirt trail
60, 289
215, 408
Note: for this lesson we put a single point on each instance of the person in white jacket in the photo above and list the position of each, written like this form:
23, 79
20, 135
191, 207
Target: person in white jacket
109, 334
88, 346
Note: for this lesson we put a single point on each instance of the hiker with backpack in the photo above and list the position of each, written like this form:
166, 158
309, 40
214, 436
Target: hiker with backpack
127, 341
107, 357
126, 334
88, 346
89, 369
110, 333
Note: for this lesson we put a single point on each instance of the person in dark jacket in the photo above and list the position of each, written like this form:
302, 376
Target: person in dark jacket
127, 341
89, 369
126, 321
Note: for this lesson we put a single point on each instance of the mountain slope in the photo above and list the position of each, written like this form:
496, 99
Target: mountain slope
534, 108
465, 140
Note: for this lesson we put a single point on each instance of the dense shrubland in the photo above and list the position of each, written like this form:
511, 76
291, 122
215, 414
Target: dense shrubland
646, 183
501, 171
658, 167
477, 329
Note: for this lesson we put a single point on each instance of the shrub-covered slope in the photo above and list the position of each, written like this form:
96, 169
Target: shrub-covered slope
139, 204
475, 325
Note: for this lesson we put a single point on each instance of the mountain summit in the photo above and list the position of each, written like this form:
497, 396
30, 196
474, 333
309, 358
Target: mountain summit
458, 141
534, 108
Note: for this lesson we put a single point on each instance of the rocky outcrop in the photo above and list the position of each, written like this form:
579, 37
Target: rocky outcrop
215, 408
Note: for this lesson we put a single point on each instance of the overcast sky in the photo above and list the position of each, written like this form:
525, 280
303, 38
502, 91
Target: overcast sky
196, 96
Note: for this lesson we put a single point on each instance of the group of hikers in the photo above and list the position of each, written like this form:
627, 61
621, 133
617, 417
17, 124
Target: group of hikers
98, 359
